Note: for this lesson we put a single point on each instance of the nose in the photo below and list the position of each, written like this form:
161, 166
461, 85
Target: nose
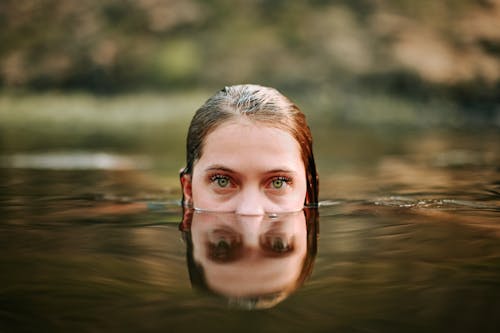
250, 226
251, 202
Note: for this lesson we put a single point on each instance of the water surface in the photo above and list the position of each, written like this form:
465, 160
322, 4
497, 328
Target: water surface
409, 241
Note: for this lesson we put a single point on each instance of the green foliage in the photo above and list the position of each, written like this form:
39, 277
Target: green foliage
411, 49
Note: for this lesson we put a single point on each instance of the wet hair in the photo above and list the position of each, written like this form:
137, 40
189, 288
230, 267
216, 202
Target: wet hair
259, 104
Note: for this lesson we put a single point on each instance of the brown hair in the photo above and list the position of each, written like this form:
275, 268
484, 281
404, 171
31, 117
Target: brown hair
260, 104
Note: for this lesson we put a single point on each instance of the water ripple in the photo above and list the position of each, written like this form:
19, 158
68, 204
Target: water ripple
408, 202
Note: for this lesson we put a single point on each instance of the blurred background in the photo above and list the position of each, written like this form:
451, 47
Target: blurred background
403, 100
126, 76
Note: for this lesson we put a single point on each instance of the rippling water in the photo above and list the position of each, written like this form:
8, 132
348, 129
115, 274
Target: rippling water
409, 241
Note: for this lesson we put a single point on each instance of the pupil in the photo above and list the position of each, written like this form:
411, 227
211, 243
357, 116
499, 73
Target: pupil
222, 182
222, 245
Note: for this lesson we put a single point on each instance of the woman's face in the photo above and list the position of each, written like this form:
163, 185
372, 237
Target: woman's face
249, 169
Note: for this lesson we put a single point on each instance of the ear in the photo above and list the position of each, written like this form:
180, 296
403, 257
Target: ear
187, 218
187, 194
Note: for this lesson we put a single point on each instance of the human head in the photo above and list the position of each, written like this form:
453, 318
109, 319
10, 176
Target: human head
258, 104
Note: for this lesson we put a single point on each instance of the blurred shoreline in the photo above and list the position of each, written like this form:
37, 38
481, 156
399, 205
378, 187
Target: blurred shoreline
361, 60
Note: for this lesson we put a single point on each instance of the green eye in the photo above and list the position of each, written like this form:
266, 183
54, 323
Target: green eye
222, 182
277, 183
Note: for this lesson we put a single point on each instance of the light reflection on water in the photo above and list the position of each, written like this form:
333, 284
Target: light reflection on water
410, 243
73, 161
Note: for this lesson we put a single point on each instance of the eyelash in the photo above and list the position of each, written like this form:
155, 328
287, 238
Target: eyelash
283, 178
216, 177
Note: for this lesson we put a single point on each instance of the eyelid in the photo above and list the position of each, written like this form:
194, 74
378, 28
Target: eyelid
219, 176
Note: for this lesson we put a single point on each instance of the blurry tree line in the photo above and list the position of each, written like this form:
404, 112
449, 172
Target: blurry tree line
427, 49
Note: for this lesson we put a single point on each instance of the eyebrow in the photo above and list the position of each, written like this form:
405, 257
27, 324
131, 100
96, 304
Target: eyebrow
226, 169
281, 170
219, 167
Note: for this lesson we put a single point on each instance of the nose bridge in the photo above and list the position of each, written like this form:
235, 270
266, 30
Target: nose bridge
250, 226
251, 201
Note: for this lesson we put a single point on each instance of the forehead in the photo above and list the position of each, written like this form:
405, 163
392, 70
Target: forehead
237, 139
244, 126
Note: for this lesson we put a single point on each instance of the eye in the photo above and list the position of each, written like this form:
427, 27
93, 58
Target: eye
277, 244
277, 183
224, 245
221, 248
220, 180
280, 182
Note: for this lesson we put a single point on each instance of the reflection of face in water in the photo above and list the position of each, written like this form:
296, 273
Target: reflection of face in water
254, 261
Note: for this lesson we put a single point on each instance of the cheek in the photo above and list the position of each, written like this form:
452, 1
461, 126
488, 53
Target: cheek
203, 193
292, 201
199, 188
302, 192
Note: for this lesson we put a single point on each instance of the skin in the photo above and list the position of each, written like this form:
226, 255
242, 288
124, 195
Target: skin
249, 255
249, 169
